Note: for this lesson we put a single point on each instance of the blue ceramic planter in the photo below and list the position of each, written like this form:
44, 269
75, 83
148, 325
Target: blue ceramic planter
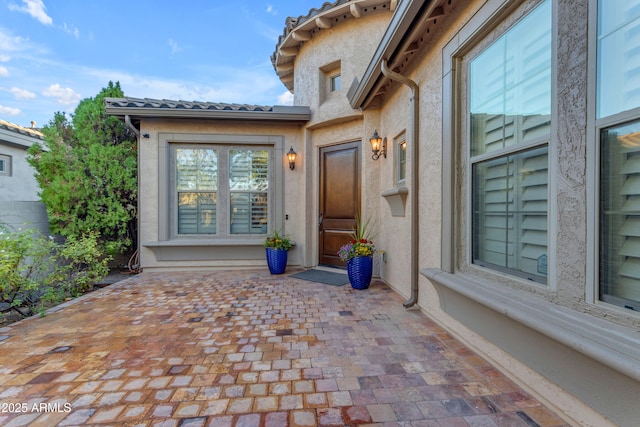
360, 270
276, 260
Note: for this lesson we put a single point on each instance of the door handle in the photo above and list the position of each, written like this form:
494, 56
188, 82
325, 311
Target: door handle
320, 222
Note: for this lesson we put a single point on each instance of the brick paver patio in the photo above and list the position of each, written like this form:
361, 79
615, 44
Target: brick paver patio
248, 349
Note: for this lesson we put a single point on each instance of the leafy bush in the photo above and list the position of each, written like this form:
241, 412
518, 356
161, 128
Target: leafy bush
34, 268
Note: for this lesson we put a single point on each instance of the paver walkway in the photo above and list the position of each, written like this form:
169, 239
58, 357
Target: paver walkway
248, 349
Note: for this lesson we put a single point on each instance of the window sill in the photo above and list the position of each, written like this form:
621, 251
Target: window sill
397, 199
610, 344
204, 242
241, 249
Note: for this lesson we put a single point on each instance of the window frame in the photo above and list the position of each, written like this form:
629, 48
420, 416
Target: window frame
328, 73
491, 21
6, 160
167, 203
398, 141
595, 126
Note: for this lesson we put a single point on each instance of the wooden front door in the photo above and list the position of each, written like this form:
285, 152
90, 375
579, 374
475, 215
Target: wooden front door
339, 199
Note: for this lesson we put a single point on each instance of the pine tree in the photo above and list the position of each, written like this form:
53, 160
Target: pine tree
87, 173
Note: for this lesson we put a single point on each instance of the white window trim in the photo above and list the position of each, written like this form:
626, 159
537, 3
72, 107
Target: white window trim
168, 233
488, 19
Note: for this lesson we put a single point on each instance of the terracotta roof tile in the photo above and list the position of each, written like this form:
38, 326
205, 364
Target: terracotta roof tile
21, 129
182, 105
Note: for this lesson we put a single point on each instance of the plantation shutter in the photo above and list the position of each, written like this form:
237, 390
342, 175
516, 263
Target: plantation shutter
620, 212
249, 186
510, 211
196, 181
494, 208
630, 231
533, 208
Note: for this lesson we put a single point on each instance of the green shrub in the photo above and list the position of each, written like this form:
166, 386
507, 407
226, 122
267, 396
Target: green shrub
34, 268
25, 265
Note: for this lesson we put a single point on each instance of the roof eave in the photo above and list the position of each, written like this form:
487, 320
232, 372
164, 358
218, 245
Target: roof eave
360, 94
288, 46
278, 113
18, 139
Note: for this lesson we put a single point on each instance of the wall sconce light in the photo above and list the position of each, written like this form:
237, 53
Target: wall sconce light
291, 155
378, 146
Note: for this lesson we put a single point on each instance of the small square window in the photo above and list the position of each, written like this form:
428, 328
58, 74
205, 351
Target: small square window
330, 80
5, 165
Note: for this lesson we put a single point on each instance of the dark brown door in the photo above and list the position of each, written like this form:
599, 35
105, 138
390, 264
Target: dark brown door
339, 199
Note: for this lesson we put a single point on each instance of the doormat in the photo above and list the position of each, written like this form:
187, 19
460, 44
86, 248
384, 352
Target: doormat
321, 276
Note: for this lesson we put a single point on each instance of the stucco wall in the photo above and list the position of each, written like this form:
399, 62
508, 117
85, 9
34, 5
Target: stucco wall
21, 185
30, 214
333, 121
352, 43
20, 205
150, 168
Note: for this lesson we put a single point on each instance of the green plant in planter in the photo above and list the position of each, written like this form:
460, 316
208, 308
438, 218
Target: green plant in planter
277, 241
361, 243
277, 247
358, 253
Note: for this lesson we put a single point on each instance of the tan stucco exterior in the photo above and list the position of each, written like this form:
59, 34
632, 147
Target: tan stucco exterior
580, 355
154, 255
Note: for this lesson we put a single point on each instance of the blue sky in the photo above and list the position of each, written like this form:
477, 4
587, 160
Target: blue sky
54, 53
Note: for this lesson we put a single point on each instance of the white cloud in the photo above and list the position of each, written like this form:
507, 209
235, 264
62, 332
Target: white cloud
64, 95
271, 10
35, 8
22, 93
8, 111
71, 30
4, 58
285, 99
3, 71
175, 48
10, 43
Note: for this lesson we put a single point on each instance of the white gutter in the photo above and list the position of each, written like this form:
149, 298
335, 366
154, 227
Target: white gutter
414, 144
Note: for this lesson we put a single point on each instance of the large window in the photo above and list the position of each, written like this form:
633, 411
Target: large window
618, 110
510, 110
222, 190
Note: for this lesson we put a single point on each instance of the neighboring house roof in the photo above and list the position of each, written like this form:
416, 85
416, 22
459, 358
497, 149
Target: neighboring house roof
164, 108
13, 134
301, 29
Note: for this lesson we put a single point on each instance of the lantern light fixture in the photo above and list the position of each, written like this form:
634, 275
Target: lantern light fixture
291, 155
378, 145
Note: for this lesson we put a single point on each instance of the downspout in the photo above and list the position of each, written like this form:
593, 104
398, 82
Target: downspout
415, 104
127, 121
134, 261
